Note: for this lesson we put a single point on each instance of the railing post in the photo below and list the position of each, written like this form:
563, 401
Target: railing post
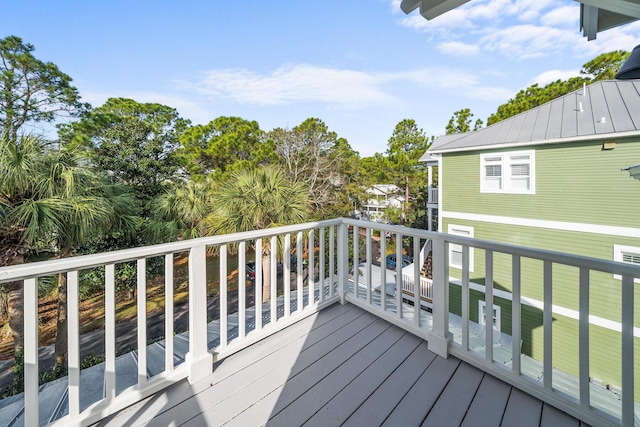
199, 360
30, 352
439, 341
343, 262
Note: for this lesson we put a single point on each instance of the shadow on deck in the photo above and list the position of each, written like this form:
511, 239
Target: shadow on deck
342, 366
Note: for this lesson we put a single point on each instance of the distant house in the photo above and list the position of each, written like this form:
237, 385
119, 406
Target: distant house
380, 198
550, 178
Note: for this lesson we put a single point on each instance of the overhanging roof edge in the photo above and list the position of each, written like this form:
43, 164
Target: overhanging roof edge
594, 137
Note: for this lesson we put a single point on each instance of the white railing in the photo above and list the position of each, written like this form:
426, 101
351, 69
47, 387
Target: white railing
340, 249
435, 327
426, 288
433, 195
308, 298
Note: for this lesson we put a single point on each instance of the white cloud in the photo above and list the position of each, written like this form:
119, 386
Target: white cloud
458, 49
528, 41
187, 108
553, 75
456, 82
336, 88
625, 37
518, 29
294, 84
565, 16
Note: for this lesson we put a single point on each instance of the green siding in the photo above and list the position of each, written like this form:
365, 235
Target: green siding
574, 183
577, 182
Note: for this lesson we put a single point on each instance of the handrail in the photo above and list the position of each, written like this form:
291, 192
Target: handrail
23, 271
438, 333
337, 244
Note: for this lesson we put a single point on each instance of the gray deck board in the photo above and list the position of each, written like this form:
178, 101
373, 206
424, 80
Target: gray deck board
341, 366
383, 401
522, 410
458, 394
419, 400
488, 407
335, 412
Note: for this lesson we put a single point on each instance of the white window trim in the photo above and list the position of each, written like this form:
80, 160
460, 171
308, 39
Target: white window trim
482, 319
617, 256
506, 188
466, 232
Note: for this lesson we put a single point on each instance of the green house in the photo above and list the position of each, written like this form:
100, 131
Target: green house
551, 178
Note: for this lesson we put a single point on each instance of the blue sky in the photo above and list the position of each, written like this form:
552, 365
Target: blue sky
359, 65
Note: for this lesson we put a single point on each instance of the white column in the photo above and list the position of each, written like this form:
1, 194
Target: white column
439, 342
199, 359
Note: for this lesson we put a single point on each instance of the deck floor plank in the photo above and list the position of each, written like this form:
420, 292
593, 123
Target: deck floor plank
487, 408
312, 388
522, 410
335, 412
418, 401
256, 376
341, 366
386, 397
452, 405
554, 417
324, 358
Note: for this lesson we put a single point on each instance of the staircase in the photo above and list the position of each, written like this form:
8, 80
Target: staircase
427, 268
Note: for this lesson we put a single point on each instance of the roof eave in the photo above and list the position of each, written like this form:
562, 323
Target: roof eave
594, 137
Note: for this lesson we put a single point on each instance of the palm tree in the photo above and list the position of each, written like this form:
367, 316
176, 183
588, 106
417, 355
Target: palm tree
258, 199
19, 162
181, 211
50, 197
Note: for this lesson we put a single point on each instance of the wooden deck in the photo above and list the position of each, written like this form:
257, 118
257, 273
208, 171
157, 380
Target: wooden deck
342, 366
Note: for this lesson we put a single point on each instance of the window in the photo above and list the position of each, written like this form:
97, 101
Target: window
512, 172
482, 315
629, 254
455, 251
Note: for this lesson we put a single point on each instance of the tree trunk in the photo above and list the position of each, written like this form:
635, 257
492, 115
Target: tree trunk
15, 297
13, 255
266, 276
61, 325
406, 198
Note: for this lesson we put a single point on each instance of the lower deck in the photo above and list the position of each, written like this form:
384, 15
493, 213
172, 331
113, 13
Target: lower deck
342, 366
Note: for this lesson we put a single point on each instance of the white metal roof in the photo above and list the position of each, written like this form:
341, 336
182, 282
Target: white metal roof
602, 110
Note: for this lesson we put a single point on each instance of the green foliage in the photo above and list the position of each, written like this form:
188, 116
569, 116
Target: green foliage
602, 67
92, 281
133, 144
182, 209
31, 90
222, 145
460, 122
406, 145
91, 360
49, 198
58, 371
17, 385
311, 154
534, 96
258, 199
374, 170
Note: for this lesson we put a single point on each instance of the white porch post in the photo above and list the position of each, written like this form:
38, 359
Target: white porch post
439, 342
199, 359
429, 201
343, 263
